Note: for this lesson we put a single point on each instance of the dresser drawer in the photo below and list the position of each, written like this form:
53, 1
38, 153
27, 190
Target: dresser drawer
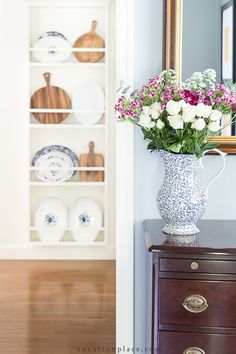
220, 310
179, 343
197, 266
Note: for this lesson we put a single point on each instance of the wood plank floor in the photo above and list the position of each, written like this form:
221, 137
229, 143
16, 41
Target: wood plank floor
59, 307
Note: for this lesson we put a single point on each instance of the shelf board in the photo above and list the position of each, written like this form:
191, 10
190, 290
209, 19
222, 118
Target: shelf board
32, 228
57, 110
68, 243
67, 126
67, 169
67, 184
72, 50
68, 64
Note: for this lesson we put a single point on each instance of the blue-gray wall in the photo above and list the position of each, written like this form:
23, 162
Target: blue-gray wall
201, 34
148, 167
148, 63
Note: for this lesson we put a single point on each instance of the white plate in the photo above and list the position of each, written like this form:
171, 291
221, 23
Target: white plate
85, 220
52, 41
55, 163
88, 97
50, 220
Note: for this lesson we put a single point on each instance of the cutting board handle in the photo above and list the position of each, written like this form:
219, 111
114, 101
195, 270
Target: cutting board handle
93, 27
47, 77
91, 156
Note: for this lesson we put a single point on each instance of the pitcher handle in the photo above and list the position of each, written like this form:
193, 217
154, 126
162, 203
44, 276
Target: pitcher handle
222, 154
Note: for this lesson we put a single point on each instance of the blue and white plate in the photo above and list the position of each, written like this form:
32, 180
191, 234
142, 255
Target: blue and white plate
85, 220
50, 220
52, 41
55, 163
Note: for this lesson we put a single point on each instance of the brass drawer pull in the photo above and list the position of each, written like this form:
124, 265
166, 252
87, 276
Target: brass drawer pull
195, 304
194, 350
194, 265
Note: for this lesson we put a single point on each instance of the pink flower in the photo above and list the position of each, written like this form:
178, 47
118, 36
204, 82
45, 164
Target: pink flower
190, 97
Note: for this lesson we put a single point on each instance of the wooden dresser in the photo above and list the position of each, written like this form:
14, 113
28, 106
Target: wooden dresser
193, 289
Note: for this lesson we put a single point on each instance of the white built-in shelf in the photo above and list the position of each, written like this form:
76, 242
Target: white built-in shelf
68, 64
68, 125
67, 184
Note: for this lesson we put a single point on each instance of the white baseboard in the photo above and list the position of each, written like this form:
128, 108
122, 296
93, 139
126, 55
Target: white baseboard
57, 253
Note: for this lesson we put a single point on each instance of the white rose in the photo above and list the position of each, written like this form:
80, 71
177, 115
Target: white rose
173, 107
146, 110
156, 106
160, 124
189, 112
145, 121
155, 114
176, 122
199, 124
214, 126
215, 115
203, 110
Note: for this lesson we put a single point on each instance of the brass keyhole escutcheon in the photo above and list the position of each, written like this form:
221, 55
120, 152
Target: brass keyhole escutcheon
195, 303
194, 265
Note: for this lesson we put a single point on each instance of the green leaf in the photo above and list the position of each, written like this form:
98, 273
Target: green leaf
175, 147
151, 146
209, 145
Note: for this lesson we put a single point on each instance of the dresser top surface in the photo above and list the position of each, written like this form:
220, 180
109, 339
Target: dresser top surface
216, 236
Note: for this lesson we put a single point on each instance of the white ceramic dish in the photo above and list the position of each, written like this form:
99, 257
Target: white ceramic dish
88, 97
50, 220
55, 163
85, 220
52, 41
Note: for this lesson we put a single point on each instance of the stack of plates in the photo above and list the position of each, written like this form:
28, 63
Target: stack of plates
55, 163
85, 220
52, 41
51, 220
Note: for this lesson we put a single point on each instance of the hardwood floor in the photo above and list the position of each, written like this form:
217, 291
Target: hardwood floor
61, 307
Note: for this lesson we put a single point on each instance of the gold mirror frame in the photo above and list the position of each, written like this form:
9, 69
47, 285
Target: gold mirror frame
172, 55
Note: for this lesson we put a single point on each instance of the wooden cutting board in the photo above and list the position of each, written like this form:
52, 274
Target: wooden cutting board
89, 40
50, 97
91, 160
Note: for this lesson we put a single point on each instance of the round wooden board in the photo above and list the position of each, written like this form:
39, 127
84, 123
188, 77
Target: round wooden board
50, 97
89, 40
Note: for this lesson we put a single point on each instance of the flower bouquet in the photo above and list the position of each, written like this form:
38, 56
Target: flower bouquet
179, 117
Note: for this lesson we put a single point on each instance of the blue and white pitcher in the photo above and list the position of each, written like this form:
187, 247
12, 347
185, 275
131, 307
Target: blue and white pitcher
181, 200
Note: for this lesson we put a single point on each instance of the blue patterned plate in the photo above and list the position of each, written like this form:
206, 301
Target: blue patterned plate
52, 41
55, 163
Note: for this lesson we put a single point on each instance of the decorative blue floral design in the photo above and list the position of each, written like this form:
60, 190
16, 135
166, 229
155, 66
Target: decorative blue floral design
84, 219
50, 220
181, 200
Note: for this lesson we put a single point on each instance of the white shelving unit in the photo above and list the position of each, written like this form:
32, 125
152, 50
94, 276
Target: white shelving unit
74, 19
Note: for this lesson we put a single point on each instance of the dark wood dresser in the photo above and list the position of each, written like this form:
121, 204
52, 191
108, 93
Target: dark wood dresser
193, 289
